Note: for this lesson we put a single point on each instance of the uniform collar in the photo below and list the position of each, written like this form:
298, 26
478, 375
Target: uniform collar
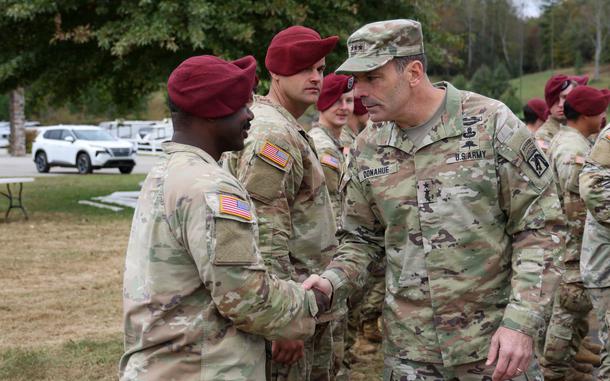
263, 100
173, 147
449, 125
326, 131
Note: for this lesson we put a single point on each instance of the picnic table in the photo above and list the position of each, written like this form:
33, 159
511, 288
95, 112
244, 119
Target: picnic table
14, 200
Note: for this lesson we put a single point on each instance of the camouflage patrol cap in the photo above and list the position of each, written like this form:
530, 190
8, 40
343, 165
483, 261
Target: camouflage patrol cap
375, 44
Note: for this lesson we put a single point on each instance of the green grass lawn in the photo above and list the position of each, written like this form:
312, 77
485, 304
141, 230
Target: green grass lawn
532, 85
60, 194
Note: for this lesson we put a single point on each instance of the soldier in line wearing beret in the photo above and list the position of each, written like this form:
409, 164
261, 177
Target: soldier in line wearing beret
355, 124
584, 110
198, 300
281, 172
336, 105
594, 189
535, 114
448, 188
556, 90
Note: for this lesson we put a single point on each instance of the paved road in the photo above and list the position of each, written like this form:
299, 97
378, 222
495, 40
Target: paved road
24, 167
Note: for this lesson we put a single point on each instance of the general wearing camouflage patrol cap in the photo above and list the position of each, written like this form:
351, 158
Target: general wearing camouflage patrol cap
375, 44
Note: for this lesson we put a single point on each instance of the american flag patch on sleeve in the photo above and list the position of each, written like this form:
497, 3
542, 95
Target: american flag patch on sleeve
234, 206
275, 154
330, 161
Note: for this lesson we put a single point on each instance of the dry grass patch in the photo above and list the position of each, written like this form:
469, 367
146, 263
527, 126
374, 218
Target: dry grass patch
61, 280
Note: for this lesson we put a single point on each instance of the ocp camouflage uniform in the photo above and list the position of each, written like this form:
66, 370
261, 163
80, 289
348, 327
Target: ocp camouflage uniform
330, 153
545, 134
595, 257
468, 226
347, 138
196, 292
282, 174
568, 324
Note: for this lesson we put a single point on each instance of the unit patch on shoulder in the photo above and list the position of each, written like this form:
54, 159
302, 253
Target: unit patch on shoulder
534, 158
275, 154
235, 207
330, 161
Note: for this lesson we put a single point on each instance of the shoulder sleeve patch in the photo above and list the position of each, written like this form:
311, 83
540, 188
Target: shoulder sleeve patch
275, 154
234, 206
330, 161
534, 158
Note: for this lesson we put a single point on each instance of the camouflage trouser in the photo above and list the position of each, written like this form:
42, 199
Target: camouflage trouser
338, 370
600, 297
396, 369
365, 304
567, 327
314, 366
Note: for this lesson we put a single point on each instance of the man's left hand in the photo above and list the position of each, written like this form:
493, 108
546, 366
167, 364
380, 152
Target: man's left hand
513, 352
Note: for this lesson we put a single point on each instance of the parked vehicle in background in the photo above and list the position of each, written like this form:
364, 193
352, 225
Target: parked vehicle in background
84, 147
146, 136
5, 131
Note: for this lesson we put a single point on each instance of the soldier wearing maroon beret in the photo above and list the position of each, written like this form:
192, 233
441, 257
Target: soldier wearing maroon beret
535, 114
584, 110
193, 305
556, 90
283, 175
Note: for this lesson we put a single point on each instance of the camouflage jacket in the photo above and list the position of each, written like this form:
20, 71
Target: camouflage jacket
283, 175
595, 191
196, 293
545, 134
330, 153
467, 226
347, 139
567, 154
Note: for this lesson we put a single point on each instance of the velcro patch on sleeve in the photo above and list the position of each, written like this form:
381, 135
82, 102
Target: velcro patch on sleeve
534, 158
275, 154
330, 161
234, 206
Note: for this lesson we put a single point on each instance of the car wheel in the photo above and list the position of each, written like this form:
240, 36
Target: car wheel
83, 164
42, 165
126, 169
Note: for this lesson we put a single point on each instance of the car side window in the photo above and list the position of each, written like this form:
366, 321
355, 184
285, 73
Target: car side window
65, 133
52, 134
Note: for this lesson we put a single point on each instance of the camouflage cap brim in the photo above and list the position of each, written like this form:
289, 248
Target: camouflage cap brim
363, 64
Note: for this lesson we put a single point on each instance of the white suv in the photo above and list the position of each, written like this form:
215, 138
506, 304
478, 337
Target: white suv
84, 147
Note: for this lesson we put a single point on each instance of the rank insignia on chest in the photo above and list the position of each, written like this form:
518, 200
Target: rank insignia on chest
330, 161
275, 154
427, 191
534, 158
234, 206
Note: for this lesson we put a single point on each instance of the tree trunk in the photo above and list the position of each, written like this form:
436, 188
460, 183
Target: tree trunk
598, 37
469, 11
17, 115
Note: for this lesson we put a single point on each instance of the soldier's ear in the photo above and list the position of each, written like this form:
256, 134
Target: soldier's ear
416, 72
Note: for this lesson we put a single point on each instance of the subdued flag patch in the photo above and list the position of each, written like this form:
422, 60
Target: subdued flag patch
275, 154
234, 206
330, 161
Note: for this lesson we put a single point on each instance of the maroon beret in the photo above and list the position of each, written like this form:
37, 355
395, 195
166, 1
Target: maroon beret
209, 87
581, 80
333, 87
555, 85
359, 108
297, 48
539, 107
588, 101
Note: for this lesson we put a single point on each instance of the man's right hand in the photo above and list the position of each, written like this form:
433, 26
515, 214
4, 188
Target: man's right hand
319, 283
287, 351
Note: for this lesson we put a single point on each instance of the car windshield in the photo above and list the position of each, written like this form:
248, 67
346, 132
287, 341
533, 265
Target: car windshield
95, 135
